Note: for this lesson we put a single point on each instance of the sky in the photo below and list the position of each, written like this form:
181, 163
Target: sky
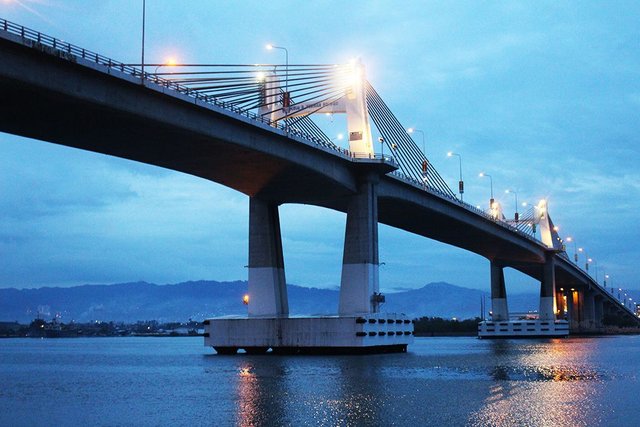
543, 96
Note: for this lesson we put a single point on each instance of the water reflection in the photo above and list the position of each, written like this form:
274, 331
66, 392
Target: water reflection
541, 383
259, 392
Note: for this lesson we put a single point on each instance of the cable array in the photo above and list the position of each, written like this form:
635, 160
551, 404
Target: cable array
260, 87
412, 161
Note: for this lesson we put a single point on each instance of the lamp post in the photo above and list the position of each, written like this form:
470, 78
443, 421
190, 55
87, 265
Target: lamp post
414, 130
482, 175
286, 97
586, 265
606, 277
144, 13
461, 182
575, 249
580, 250
515, 193
286, 60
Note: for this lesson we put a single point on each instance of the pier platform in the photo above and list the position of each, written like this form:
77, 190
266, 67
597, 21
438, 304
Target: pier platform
372, 333
526, 328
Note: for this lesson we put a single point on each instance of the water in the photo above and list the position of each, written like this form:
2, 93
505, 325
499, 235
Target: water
441, 381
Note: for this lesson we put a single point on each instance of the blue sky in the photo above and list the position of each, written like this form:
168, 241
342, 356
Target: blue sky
544, 96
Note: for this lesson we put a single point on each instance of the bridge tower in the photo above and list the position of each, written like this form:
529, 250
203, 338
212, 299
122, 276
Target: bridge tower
277, 105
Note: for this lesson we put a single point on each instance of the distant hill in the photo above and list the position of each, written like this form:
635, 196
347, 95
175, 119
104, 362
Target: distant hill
130, 302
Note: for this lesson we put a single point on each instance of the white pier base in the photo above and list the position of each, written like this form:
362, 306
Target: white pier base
371, 333
523, 329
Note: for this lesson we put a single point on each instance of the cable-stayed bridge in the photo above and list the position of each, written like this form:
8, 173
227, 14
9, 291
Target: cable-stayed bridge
249, 127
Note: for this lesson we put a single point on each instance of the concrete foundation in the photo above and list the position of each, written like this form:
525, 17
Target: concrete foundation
523, 329
380, 332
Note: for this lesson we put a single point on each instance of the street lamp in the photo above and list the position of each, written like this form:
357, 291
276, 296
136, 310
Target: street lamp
575, 249
286, 59
461, 182
482, 175
515, 193
144, 13
606, 277
586, 265
414, 130
170, 62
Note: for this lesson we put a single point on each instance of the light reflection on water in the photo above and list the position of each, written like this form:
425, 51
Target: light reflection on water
441, 381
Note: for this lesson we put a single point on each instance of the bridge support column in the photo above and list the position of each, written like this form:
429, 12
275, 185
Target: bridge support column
359, 286
589, 305
267, 284
576, 309
548, 289
499, 308
598, 311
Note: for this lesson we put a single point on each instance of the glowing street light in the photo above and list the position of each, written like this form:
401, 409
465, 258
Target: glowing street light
586, 265
482, 175
245, 299
461, 182
169, 62
515, 193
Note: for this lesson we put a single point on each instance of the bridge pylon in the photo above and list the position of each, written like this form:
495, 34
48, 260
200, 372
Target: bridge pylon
277, 104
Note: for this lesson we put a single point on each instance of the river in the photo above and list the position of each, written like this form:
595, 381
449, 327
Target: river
440, 381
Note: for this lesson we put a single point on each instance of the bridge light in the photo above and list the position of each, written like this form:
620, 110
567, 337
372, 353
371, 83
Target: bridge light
261, 77
245, 299
556, 228
450, 153
410, 130
269, 46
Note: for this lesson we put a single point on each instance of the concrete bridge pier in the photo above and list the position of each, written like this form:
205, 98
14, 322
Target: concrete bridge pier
499, 308
267, 284
575, 303
359, 285
589, 309
598, 302
548, 289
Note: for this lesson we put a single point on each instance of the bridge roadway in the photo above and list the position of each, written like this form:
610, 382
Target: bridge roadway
51, 95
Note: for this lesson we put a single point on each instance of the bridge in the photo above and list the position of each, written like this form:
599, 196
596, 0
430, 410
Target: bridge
249, 127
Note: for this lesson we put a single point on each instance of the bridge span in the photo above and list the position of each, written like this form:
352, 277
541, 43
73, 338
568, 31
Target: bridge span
60, 93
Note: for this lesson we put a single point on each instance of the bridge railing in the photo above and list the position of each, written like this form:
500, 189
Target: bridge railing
70, 51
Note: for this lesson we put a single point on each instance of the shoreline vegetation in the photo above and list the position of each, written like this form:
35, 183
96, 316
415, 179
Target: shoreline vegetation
39, 328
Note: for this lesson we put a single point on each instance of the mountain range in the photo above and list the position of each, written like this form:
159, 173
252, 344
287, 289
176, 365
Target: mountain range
197, 300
